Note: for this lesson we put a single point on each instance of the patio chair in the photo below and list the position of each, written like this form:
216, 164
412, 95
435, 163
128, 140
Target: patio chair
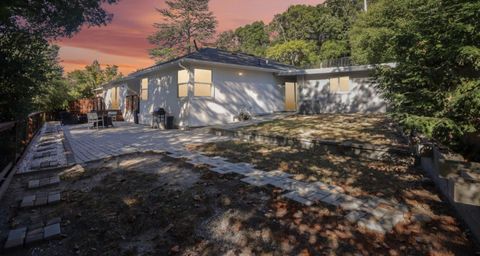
94, 120
112, 115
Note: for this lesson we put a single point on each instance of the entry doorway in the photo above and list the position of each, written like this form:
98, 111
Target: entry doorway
290, 96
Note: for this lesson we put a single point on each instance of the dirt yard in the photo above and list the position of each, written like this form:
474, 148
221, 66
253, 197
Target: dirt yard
149, 204
360, 128
395, 180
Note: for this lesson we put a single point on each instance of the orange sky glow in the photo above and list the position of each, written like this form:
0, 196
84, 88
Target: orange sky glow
123, 42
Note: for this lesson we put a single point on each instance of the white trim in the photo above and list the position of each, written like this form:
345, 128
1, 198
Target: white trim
347, 69
243, 67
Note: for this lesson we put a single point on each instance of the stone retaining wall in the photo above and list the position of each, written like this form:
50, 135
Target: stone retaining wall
369, 151
458, 181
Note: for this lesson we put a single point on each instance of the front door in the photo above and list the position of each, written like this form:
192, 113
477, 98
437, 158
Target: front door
290, 97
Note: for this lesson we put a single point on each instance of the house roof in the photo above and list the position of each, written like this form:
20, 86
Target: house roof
332, 70
214, 55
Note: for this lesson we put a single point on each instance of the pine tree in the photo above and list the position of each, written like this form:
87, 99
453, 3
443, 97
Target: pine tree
183, 22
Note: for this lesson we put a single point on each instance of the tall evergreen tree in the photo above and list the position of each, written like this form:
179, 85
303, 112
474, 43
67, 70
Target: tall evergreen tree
183, 22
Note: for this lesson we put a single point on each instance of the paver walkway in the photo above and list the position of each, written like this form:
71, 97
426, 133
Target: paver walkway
90, 145
373, 213
47, 151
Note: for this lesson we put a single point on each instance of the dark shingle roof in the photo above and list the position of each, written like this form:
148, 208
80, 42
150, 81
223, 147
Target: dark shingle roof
236, 58
225, 57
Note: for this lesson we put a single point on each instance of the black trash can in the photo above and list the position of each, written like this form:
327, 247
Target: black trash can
169, 122
135, 117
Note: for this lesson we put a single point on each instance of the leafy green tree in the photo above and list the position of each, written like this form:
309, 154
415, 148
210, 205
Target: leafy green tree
298, 53
436, 82
29, 65
253, 38
375, 30
333, 49
183, 22
83, 82
304, 22
346, 11
228, 41
52, 18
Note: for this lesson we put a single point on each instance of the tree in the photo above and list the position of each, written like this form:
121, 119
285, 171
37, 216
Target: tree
183, 22
298, 53
83, 82
29, 65
375, 29
253, 38
228, 41
304, 22
435, 86
333, 49
51, 18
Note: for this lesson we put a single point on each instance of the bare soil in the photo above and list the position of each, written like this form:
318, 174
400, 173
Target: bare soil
148, 204
396, 180
360, 128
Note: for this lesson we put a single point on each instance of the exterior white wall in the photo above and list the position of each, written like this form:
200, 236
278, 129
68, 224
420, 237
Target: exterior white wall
259, 92
162, 93
234, 90
108, 96
315, 96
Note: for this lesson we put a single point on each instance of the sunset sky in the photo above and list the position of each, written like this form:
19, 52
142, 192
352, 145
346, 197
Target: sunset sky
123, 42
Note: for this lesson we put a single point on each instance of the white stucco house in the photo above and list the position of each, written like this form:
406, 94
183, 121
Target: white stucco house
212, 86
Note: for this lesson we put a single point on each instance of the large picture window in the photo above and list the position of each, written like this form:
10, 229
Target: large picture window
183, 78
203, 83
340, 84
144, 89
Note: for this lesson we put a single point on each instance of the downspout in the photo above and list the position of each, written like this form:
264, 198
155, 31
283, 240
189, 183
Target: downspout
187, 107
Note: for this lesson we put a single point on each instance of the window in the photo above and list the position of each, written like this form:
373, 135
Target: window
340, 84
203, 83
183, 78
115, 97
144, 89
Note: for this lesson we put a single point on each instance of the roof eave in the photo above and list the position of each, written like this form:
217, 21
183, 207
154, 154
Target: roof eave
330, 70
242, 67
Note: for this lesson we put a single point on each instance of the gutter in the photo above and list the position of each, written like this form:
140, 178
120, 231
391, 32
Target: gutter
244, 67
331, 70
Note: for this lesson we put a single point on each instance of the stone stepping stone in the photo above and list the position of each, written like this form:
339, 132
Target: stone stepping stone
49, 181
36, 232
297, 197
39, 155
279, 174
286, 183
350, 203
47, 148
221, 170
15, 237
333, 199
255, 181
40, 199
46, 143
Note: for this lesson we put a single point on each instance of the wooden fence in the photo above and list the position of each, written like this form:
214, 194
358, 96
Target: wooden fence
15, 136
84, 106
